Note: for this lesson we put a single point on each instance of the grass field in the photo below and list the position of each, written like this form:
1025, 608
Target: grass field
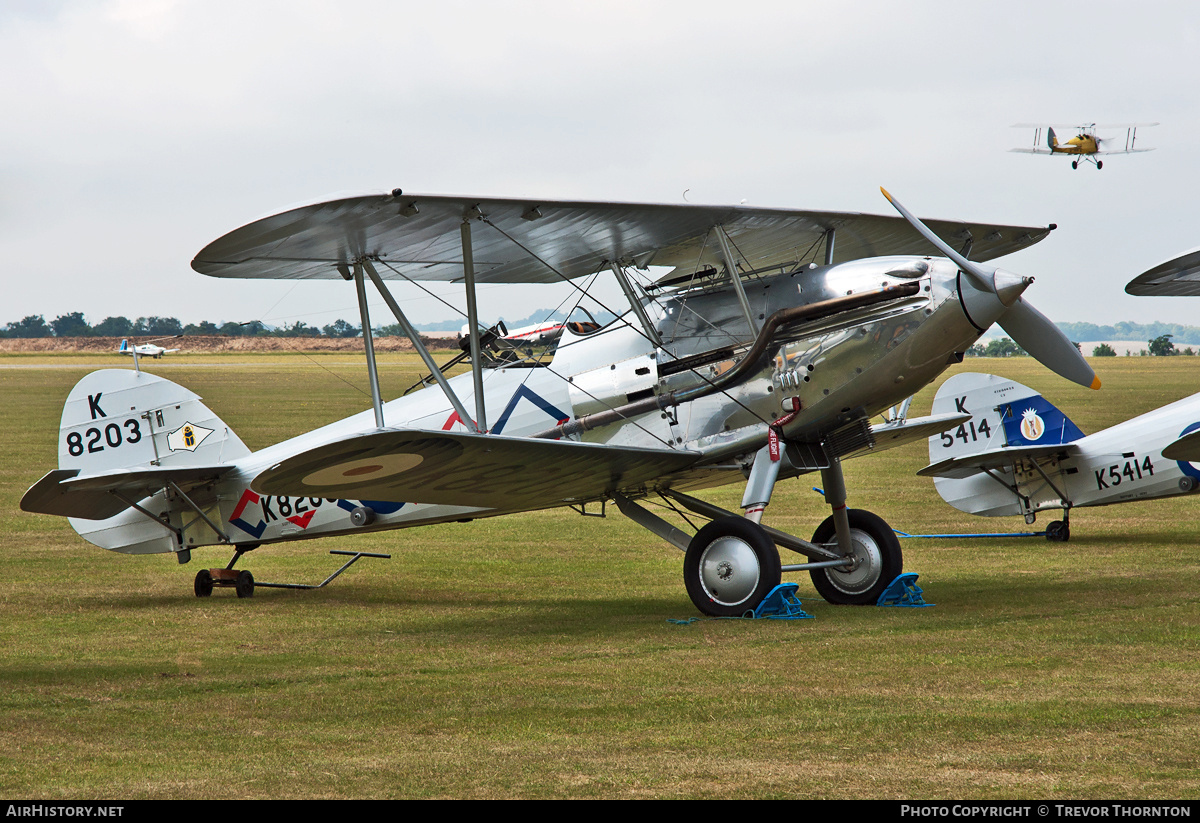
533, 656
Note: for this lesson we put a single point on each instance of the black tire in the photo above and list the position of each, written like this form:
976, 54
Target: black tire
244, 585
1074, 164
204, 583
730, 566
875, 544
362, 516
1099, 165
1058, 532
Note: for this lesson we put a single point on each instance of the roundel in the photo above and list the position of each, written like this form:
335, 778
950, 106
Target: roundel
362, 470
1190, 469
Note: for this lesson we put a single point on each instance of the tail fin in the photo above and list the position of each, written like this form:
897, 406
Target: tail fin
1004, 414
1051, 140
124, 345
119, 421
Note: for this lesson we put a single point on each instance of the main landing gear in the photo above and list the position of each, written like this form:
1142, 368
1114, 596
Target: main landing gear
1059, 531
730, 566
732, 563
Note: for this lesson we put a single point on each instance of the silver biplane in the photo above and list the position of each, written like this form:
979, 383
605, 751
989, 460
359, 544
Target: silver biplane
1017, 454
764, 353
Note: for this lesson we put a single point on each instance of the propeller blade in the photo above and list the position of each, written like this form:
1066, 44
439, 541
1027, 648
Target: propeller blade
970, 269
1033, 331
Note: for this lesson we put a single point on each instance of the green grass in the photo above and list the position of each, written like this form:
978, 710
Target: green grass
532, 656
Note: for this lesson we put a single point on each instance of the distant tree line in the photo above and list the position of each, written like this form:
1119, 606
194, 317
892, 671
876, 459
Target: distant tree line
1131, 331
74, 325
1160, 346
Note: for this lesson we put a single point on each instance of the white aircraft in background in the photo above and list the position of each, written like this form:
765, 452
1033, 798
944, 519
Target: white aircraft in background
146, 349
1018, 454
750, 363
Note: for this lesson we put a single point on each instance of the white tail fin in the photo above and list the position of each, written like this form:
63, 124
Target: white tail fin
120, 420
117, 418
1004, 415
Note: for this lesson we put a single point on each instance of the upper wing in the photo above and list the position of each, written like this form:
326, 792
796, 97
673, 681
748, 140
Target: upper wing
541, 241
492, 471
1179, 276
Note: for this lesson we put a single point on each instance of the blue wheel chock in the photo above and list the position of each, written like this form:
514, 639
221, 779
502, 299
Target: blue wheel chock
781, 603
903, 591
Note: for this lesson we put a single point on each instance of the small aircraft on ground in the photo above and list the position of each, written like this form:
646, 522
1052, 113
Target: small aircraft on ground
748, 362
1018, 454
1085, 143
145, 349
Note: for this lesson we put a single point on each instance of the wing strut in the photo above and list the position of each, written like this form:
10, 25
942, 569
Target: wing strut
369, 343
731, 268
473, 324
636, 304
412, 335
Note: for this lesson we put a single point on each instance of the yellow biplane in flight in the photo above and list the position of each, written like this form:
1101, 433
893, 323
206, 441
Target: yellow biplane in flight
1086, 143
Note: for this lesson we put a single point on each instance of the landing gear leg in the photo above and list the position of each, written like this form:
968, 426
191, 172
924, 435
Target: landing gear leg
873, 553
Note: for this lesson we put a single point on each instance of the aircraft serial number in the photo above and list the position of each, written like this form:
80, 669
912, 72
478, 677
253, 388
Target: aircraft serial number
967, 436
1129, 471
96, 440
289, 506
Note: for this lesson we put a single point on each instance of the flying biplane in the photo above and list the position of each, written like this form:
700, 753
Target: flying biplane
748, 362
145, 349
1085, 143
1018, 454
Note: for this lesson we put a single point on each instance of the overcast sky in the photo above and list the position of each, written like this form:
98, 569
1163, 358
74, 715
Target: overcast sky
137, 131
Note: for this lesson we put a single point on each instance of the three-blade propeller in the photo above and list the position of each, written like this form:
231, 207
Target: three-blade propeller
1028, 327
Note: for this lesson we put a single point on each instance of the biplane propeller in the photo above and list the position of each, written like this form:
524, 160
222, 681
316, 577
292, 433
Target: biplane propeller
766, 351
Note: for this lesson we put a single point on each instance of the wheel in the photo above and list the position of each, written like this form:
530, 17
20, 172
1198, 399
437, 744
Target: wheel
1099, 165
730, 566
1074, 164
1058, 531
878, 561
362, 516
244, 585
204, 583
